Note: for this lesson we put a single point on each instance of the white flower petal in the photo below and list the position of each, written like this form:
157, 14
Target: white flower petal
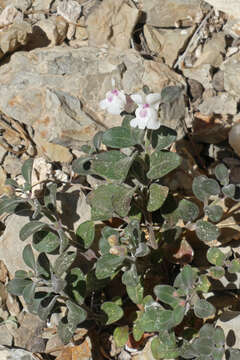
137, 98
103, 104
152, 99
122, 96
142, 123
134, 122
114, 108
153, 124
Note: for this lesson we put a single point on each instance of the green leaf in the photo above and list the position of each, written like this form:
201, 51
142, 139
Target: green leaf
83, 165
109, 236
65, 332
63, 262
203, 309
214, 212
170, 94
221, 172
46, 306
45, 241
215, 256
9, 205
206, 231
130, 277
163, 137
120, 137
164, 346
142, 250
189, 276
27, 170
216, 272
157, 196
229, 190
28, 257
122, 201
28, 292
234, 266
211, 187
167, 294
97, 140
156, 319
198, 189
204, 284
17, 285
162, 163
31, 228
107, 265
12, 183
76, 314
50, 196
76, 281
188, 210
112, 165
100, 200
113, 311
203, 346
234, 354
135, 293
120, 335
43, 266
178, 314
86, 231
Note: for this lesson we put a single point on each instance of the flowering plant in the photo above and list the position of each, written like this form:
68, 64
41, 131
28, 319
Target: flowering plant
141, 238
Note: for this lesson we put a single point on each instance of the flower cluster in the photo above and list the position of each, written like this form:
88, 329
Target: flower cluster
146, 112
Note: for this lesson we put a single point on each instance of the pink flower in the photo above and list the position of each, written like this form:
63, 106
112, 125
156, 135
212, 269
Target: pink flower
146, 112
114, 102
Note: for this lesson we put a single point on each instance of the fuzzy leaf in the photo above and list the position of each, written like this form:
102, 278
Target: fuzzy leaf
162, 163
28, 292
221, 172
82, 165
130, 277
45, 241
107, 265
63, 262
206, 231
216, 272
113, 311
17, 285
31, 228
214, 212
28, 257
27, 170
167, 294
157, 196
203, 309
120, 335
46, 306
122, 201
9, 205
163, 137
234, 266
164, 346
76, 314
135, 293
86, 231
120, 137
188, 210
215, 256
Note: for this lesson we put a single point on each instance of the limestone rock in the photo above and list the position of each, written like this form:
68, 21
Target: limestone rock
201, 73
213, 51
231, 7
9, 15
111, 24
5, 337
170, 13
53, 152
63, 86
15, 354
229, 322
19, 4
231, 70
13, 37
220, 104
166, 43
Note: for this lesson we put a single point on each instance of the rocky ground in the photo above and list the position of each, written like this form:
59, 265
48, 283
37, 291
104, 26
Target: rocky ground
57, 61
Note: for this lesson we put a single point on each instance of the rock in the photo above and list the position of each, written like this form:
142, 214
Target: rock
18, 4
111, 24
145, 354
220, 104
28, 335
196, 89
166, 43
202, 74
12, 165
48, 32
63, 87
5, 337
213, 50
231, 7
218, 81
71, 11
9, 15
231, 70
229, 322
54, 343
16, 354
52, 152
232, 27
170, 13
13, 37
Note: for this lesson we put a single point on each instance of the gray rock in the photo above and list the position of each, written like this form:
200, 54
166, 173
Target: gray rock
13, 37
218, 81
202, 74
231, 69
111, 24
213, 50
220, 104
63, 87
231, 7
229, 321
19, 4
5, 337
169, 13
15, 354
